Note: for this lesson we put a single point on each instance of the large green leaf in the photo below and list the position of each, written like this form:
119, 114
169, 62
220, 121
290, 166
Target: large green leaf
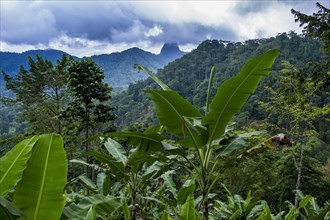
169, 183
116, 150
233, 93
40, 192
91, 215
188, 209
146, 142
88, 183
93, 166
13, 164
171, 109
101, 183
237, 145
311, 208
153, 76
197, 134
8, 210
117, 167
103, 205
187, 189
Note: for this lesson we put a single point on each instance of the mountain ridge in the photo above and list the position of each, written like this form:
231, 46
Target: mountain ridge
118, 66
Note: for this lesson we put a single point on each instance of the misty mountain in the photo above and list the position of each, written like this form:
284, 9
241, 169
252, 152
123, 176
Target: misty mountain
118, 67
10, 62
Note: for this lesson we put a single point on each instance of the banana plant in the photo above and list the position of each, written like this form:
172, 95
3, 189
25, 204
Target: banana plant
93, 199
266, 214
308, 209
140, 172
36, 170
203, 132
311, 210
237, 208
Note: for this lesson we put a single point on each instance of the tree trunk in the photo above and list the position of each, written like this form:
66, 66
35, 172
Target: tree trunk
205, 197
59, 125
86, 137
206, 207
299, 170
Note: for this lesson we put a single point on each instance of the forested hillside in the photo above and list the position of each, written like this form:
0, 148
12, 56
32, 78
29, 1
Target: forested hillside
189, 75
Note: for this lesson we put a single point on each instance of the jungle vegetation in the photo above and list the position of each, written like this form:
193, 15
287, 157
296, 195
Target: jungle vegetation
228, 131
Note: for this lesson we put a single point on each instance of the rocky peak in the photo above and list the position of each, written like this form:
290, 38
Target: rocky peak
171, 50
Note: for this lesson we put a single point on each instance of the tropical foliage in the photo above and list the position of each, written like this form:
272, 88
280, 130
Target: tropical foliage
36, 169
203, 159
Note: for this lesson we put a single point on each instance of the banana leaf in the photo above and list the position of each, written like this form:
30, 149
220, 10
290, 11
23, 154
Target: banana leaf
117, 167
91, 215
187, 189
14, 163
233, 93
101, 183
169, 183
171, 109
235, 145
116, 150
188, 209
40, 192
93, 166
88, 183
152, 76
146, 142
197, 133
9, 211
103, 206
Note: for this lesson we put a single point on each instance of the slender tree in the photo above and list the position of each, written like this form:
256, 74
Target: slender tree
294, 107
89, 97
315, 26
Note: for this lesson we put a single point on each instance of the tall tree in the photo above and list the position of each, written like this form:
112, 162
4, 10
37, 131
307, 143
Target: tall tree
316, 25
40, 92
295, 109
300, 99
89, 97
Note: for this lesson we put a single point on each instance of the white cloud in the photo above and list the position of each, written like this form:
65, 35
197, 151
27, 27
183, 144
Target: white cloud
93, 27
19, 48
26, 22
153, 32
83, 47
188, 47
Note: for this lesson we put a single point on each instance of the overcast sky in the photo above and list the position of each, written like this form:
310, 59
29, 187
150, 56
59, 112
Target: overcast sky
85, 28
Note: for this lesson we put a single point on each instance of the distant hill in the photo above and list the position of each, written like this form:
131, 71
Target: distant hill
10, 61
118, 67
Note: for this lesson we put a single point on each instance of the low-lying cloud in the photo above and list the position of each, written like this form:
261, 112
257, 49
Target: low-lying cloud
92, 27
